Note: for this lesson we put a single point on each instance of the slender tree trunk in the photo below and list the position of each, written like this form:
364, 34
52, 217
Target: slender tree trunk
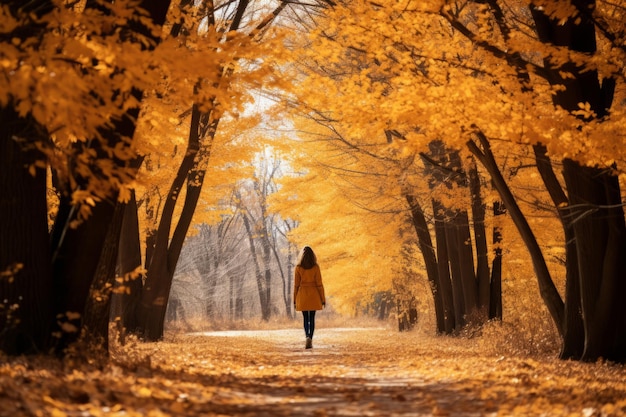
268, 271
456, 273
127, 292
443, 268
162, 265
264, 302
495, 298
548, 291
160, 272
290, 279
464, 248
480, 237
284, 280
427, 249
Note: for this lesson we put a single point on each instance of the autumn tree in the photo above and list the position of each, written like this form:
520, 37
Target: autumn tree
342, 66
71, 105
465, 289
239, 25
209, 278
266, 228
445, 71
590, 318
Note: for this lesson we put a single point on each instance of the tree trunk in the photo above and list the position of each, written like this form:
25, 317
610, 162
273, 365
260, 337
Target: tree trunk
284, 279
594, 194
495, 293
464, 248
443, 268
79, 252
127, 292
548, 291
75, 269
95, 331
160, 271
430, 260
25, 271
268, 270
456, 273
452, 230
574, 333
601, 244
480, 236
162, 265
290, 279
260, 281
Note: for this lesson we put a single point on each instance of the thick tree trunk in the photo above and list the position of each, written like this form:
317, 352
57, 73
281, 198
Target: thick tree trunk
574, 333
95, 331
25, 271
26, 311
73, 278
599, 230
67, 269
79, 252
595, 201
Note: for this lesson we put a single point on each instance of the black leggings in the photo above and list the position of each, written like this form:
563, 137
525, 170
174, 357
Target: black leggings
309, 323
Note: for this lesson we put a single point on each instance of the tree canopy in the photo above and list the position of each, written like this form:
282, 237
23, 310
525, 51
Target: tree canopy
439, 155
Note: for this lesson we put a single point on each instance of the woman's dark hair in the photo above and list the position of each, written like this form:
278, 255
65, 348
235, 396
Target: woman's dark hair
307, 259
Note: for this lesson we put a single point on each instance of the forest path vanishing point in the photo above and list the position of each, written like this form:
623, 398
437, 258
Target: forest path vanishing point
349, 372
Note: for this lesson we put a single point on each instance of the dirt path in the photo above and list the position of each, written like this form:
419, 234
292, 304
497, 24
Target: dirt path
378, 372
349, 372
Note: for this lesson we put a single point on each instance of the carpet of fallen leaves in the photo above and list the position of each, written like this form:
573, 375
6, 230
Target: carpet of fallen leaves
349, 372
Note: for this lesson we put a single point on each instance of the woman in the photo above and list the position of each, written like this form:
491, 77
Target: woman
308, 291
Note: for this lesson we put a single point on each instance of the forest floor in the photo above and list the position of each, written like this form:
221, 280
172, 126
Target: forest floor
349, 372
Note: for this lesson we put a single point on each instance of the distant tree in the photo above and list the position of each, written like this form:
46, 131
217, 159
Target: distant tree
263, 230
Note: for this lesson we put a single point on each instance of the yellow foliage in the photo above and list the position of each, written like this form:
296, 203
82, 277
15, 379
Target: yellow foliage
408, 71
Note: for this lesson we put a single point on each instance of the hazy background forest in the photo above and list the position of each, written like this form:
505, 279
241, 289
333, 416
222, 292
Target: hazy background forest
455, 164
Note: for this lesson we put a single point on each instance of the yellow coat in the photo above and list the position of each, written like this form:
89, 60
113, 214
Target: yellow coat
308, 290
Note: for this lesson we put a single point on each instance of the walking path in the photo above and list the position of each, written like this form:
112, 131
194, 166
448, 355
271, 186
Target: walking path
379, 372
349, 372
